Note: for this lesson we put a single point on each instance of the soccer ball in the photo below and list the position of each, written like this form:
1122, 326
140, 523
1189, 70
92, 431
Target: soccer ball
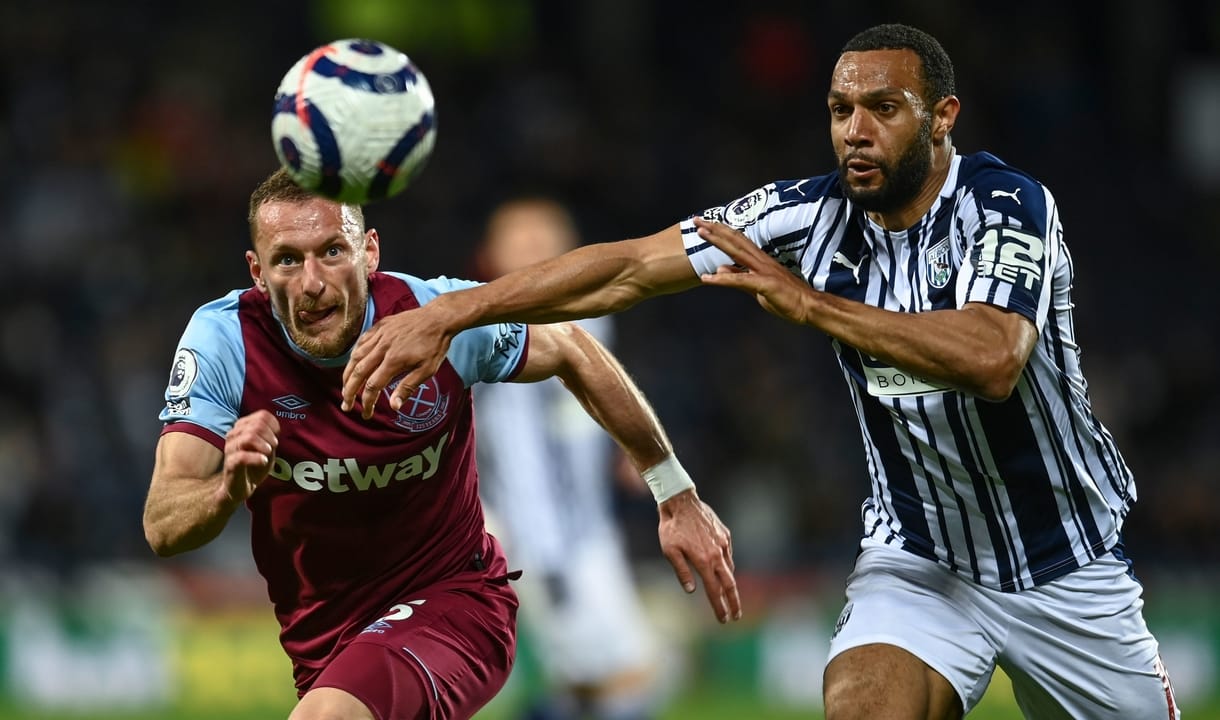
354, 121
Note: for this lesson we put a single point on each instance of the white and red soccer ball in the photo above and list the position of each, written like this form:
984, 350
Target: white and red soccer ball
354, 121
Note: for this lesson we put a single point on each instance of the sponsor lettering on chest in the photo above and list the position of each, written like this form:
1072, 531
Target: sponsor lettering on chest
887, 381
340, 475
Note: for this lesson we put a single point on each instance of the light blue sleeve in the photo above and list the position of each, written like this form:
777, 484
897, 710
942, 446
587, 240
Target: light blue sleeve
209, 369
491, 353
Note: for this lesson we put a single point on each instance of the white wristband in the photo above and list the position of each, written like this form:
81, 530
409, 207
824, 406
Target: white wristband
667, 478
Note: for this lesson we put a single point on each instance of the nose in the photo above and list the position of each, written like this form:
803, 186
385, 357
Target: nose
859, 129
312, 280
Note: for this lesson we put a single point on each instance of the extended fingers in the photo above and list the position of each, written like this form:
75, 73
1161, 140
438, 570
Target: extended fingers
731, 277
726, 573
367, 385
718, 582
406, 388
359, 350
368, 396
721, 589
731, 594
734, 244
377, 381
715, 598
677, 559
353, 382
361, 375
352, 379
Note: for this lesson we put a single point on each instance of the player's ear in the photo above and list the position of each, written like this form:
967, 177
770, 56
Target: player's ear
256, 271
372, 249
944, 117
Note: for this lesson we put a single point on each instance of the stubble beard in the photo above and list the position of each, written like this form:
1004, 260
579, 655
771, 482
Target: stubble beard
318, 346
901, 182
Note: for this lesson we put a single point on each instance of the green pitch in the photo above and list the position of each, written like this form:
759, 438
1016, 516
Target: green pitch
705, 704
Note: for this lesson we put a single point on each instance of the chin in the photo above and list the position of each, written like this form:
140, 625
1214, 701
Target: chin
867, 199
314, 345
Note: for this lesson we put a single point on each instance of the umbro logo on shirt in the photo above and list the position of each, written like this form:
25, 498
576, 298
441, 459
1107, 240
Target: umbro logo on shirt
290, 407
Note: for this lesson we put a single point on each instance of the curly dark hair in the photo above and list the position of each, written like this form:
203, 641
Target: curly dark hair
936, 66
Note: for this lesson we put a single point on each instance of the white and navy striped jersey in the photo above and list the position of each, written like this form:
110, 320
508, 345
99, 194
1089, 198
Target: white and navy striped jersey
1009, 494
544, 467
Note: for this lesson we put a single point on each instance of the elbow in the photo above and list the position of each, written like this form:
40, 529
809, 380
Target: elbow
160, 541
995, 392
164, 549
576, 346
997, 375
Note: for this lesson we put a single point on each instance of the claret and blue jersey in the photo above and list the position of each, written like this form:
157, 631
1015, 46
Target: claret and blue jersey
1008, 494
355, 514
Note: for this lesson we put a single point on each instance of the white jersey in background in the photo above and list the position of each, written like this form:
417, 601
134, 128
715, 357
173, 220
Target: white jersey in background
544, 466
1009, 495
545, 475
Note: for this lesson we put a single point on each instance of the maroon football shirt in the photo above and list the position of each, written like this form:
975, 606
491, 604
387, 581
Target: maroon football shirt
355, 514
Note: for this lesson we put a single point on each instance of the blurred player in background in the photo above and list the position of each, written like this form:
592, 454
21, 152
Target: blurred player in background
392, 598
992, 536
546, 473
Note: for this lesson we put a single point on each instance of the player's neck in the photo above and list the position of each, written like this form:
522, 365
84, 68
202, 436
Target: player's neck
910, 213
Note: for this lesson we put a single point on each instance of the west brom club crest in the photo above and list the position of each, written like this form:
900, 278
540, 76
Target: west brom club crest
936, 264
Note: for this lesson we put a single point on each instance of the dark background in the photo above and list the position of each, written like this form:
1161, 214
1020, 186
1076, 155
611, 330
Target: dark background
131, 134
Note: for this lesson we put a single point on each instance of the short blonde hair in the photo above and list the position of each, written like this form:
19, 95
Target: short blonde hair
280, 187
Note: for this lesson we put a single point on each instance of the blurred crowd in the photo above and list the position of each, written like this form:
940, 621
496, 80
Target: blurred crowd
132, 131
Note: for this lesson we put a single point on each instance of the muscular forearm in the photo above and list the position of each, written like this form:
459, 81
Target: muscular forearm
980, 349
586, 282
611, 398
183, 514
196, 486
970, 349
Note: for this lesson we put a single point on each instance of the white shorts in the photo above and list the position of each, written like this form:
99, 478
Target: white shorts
1076, 647
588, 623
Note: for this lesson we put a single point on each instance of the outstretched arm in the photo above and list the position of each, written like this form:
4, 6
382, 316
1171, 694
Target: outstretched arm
586, 282
196, 488
690, 532
979, 349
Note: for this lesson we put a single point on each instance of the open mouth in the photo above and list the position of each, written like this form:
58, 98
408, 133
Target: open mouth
312, 317
862, 168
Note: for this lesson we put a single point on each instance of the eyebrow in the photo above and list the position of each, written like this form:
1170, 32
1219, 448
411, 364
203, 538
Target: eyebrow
326, 242
871, 95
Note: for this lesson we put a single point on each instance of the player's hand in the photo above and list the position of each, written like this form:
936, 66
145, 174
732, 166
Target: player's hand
249, 451
692, 535
775, 288
411, 344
